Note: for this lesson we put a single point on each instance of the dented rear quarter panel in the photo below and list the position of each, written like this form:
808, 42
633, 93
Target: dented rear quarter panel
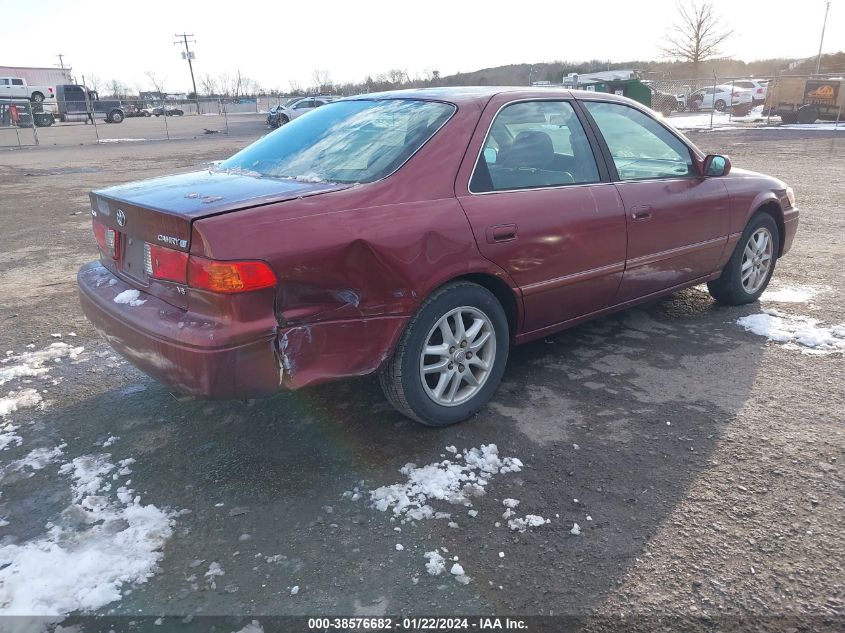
354, 264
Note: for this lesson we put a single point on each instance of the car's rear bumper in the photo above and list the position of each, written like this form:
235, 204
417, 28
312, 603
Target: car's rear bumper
189, 353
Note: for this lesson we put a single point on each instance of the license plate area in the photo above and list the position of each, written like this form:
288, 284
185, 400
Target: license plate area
133, 259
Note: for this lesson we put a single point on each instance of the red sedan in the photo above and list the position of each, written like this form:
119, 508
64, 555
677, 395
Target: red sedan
419, 234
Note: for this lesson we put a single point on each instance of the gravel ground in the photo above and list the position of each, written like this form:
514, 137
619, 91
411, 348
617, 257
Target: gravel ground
708, 460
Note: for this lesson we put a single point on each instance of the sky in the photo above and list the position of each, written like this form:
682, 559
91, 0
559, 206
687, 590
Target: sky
278, 41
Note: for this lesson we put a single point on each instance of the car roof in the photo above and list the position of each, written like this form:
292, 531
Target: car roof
479, 95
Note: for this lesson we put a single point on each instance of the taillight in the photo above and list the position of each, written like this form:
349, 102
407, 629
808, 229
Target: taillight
107, 239
166, 263
229, 277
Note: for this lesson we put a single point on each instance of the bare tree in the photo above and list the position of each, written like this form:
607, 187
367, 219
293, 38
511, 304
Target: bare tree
322, 80
295, 87
697, 34
94, 82
116, 88
157, 83
208, 85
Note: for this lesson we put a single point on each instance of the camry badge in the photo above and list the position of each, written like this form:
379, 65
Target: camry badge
120, 216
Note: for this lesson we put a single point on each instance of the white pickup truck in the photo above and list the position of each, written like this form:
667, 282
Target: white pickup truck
17, 88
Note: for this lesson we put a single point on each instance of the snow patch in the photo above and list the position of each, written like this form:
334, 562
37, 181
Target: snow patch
436, 563
450, 481
19, 400
37, 458
32, 364
530, 520
130, 297
796, 332
97, 546
793, 294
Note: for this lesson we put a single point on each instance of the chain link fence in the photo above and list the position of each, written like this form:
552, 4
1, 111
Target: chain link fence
715, 102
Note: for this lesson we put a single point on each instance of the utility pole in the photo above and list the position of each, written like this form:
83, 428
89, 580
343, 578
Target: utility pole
189, 56
821, 41
61, 60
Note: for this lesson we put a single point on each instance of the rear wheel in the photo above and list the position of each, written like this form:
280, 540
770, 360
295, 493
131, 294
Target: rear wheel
808, 114
750, 268
451, 357
37, 97
116, 116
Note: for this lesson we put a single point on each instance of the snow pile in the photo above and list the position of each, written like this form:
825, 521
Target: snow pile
450, 481
436, 563
32, 364
530, 520
130, 297
96, 546
8, 435
252, 627
793, 294
19, 400
37, 458
795, 332
576, 529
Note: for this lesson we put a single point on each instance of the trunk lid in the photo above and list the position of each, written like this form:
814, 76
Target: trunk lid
160, 212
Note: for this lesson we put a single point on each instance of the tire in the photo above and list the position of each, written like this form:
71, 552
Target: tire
729, 288
789, 117
720, 105
116, 116
411, 391
43, 120
808, 114
283, 120
37, 97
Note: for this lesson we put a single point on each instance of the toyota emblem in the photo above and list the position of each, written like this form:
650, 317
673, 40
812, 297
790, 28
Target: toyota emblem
121, 217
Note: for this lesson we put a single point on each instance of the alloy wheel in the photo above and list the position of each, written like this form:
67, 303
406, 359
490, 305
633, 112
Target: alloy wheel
756, 260
458, 356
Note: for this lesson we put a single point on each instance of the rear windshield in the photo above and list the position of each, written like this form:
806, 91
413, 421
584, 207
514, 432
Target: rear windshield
345, 141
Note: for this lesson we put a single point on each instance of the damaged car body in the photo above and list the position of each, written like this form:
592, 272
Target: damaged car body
419, 234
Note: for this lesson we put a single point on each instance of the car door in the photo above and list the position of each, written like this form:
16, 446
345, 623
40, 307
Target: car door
542, 208
677, 220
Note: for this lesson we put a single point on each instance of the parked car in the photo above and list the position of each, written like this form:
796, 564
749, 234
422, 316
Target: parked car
720, 98
296, 108
419, 235
757, 87
662, 102
169, 111
274, 116
17, 88
133, 111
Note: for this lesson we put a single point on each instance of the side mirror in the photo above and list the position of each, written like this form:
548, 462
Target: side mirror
716, 165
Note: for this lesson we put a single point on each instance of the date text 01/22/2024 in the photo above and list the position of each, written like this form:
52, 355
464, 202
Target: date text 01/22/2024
417, 624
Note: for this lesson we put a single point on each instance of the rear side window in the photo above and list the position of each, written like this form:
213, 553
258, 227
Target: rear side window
641, 148
352, 141
534, 144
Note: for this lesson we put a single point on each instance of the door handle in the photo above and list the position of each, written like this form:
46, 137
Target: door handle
501, 233
641, 212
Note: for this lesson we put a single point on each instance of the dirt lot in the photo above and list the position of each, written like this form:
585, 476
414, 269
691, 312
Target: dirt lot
702, 463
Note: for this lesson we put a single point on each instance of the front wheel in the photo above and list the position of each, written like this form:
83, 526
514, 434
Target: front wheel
116, 117
720, 105
750, 268
451, 357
